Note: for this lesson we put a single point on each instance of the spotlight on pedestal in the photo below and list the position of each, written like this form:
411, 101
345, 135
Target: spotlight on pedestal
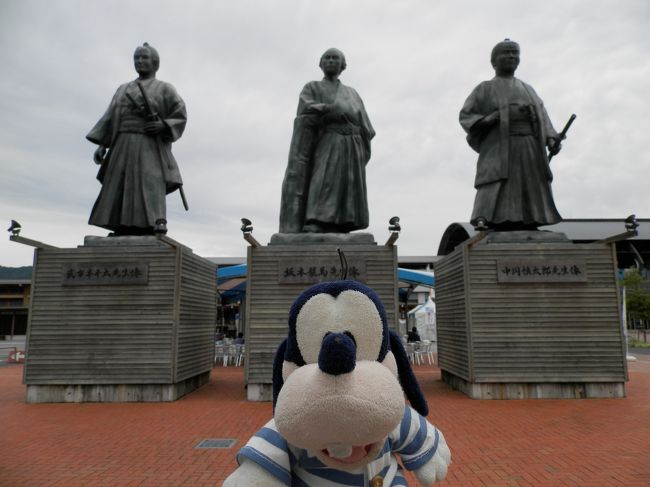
393, 224
394, 228
14, 228
631, 224
481, 224
161, 227
247, 230
247, 226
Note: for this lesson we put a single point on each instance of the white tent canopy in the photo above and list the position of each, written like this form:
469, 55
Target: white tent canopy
424, 318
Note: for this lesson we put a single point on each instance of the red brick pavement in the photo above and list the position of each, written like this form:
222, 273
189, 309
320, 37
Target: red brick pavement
494, 443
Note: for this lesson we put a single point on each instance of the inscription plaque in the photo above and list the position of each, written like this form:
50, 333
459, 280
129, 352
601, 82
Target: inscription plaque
105, 273
309, 271
541, 270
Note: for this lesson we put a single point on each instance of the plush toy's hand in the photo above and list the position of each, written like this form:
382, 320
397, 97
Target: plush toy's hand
435, 469
250, 474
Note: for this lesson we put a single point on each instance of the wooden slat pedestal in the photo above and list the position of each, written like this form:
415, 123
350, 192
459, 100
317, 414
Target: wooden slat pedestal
530, 320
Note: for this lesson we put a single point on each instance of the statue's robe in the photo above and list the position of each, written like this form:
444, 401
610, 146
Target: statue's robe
513, 177
325, 180
139, 169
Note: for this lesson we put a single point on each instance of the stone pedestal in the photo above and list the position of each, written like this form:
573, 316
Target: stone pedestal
526, 317
280, 271
120, 319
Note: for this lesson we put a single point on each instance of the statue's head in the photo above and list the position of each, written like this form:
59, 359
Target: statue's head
332, 59
146, 57
505, 57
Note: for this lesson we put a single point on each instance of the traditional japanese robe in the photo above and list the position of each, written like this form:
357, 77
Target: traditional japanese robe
513, 177
325, 180
139, 169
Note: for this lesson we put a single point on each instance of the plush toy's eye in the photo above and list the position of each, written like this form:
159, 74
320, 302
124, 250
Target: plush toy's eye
351, 313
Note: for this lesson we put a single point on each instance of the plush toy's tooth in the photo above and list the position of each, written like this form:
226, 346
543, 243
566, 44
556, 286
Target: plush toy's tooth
339, 451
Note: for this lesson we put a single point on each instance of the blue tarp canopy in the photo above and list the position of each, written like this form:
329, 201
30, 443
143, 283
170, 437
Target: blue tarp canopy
419, 278
231, 283
225, 273
231, 280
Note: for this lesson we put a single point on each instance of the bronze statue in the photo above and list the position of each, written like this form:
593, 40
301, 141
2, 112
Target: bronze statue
508, 126
143, 119
324, 187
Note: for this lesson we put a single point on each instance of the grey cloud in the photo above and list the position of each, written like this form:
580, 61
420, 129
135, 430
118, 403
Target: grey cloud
240, 67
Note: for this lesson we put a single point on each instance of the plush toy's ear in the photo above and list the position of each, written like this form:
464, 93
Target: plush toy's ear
407, 377
278, 361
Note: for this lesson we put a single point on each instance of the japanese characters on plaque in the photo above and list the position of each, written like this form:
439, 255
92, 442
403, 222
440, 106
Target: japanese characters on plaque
104, 274
541, 270
309, 271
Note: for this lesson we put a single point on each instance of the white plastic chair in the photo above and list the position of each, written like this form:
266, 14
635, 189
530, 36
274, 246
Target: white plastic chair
230, 355
423, 350
410, 352
240, 349
219, 353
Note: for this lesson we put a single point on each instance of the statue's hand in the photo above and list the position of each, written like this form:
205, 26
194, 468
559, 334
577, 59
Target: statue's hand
317, 108
99, 154
154, 128
336, 113
487, 122
554, 145
492, 118
337, 108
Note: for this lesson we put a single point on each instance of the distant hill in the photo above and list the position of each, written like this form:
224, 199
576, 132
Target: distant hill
24, 272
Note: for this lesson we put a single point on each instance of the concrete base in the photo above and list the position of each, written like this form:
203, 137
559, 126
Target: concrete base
535, 390
259, 392
360, 238
115, 392
125, 241
526, 236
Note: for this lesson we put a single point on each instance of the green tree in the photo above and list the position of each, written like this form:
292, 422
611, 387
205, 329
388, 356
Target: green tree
637, 295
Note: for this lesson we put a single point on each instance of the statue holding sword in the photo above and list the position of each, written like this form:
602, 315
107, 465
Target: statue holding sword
507, 124
137, 167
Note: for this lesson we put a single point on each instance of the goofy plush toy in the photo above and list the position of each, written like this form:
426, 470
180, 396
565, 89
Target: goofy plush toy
340, 417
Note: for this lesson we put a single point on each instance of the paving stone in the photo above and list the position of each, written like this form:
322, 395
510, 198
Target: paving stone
595, 442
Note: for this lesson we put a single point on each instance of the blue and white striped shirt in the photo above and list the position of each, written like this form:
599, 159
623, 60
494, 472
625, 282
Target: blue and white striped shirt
415, 440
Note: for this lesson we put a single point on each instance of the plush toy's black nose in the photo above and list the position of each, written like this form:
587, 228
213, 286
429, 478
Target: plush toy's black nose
338, 354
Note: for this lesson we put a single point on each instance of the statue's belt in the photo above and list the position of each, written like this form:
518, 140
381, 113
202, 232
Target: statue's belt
522, 118
132, 125
521, 127
343, 128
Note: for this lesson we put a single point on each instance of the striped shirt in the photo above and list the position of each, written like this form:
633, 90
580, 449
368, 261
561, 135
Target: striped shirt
415, 440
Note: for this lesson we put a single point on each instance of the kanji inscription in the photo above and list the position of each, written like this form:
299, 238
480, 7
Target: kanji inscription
105, 273
308, 271
541, 270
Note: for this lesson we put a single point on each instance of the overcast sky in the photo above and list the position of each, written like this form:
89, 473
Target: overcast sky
240, 65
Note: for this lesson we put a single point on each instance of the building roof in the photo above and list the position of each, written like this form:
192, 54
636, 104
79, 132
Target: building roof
16, 275
227, 260
589, 230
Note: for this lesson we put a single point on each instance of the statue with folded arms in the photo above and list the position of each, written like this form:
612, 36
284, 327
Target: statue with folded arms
324, 187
